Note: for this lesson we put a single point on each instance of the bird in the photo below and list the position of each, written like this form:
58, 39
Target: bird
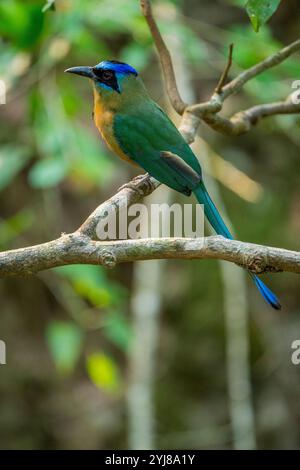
140, 132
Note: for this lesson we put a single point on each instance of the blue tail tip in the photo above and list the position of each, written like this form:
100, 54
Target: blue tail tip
267, 294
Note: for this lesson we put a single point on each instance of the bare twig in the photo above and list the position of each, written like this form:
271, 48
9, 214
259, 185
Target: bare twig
271, 61
224, 75
165, 59
208, 111
242, 121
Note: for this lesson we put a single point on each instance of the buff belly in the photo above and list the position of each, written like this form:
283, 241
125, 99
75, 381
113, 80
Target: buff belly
104, 122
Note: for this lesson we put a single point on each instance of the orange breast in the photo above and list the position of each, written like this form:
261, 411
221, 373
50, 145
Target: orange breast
104, 122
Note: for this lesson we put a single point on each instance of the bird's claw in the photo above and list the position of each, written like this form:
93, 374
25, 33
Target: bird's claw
133, 184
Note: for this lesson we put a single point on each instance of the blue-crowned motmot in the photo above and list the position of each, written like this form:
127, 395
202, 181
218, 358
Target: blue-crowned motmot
139, 131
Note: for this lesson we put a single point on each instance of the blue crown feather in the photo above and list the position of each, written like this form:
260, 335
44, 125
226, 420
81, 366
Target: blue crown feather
116, 66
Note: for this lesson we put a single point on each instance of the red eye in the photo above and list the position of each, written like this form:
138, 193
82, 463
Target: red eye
107, 75
104, 75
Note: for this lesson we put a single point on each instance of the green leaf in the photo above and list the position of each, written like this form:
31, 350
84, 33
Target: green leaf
47, 173
103, 372
64, 342
260, 11
49, 5
97, 295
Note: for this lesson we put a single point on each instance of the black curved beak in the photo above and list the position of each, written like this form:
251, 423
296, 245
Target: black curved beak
84, 71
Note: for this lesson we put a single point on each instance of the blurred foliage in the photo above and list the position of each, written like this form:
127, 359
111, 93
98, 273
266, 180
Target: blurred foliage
64, 340
103, 371
49, 5
260, 11
12, 161
68, 331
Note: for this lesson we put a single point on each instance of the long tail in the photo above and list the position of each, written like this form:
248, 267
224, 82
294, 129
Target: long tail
216, 221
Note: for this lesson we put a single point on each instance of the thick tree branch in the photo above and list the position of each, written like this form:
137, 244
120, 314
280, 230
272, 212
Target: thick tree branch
81, 247
76, 248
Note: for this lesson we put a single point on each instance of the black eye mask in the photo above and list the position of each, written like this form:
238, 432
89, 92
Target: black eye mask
107, 77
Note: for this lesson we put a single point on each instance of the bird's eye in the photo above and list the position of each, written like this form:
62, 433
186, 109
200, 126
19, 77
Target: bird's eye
107, 75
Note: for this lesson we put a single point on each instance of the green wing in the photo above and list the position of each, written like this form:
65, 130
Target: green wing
149, 138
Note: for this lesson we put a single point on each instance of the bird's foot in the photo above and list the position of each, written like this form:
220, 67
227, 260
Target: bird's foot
142, 184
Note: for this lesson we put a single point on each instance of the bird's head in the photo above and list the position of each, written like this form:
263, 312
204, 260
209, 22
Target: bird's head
109, 76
